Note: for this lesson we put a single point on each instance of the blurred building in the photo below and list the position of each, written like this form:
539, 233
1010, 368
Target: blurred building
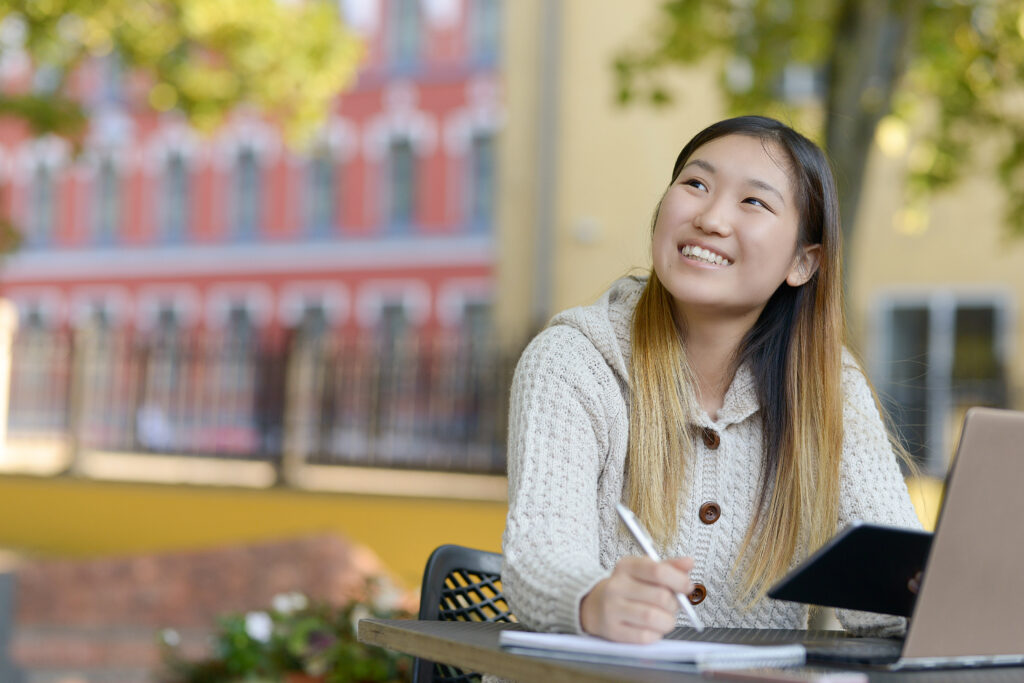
381, 231
388, 217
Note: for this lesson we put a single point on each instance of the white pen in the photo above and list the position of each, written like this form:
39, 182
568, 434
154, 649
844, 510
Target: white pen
644, 539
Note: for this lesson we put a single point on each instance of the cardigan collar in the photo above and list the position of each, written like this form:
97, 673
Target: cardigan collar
607, 324
740, 401
741, 397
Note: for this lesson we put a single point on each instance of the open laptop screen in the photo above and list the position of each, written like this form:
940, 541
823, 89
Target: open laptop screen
970, 600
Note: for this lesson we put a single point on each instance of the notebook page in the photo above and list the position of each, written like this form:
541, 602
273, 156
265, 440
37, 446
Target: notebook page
701, 654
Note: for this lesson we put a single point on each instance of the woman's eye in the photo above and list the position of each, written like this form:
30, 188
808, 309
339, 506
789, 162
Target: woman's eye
757, 202
693, 182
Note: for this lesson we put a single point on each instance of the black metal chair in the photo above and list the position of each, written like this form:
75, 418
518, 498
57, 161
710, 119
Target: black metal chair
459, 584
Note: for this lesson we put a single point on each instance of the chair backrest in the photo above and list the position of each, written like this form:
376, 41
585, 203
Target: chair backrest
459, 584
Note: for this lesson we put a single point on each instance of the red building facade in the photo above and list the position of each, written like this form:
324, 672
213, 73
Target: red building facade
386, 219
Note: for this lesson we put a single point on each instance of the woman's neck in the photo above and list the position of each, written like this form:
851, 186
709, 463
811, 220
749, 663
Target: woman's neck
711, 347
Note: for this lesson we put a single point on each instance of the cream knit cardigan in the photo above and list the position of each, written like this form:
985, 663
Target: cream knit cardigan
568, 429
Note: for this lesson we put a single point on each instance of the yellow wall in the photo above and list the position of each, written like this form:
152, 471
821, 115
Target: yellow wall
517, 155
612, 163
75, 517
961, 245
957, 247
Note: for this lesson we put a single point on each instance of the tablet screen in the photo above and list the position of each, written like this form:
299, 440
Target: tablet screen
865, 567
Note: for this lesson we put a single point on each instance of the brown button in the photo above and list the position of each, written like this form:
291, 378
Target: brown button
710, 512
711, 438
698, 593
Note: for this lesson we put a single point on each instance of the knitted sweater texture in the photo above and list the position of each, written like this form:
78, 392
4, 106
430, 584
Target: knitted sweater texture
568, 431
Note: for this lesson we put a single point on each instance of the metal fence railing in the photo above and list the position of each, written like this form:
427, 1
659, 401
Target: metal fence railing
40, 380
435, 402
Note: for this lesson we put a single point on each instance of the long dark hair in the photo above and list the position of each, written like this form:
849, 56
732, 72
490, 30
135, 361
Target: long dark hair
795, 353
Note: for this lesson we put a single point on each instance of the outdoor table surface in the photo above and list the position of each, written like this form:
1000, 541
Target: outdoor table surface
473, 646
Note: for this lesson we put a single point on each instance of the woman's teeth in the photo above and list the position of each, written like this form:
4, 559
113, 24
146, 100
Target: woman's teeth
702, 254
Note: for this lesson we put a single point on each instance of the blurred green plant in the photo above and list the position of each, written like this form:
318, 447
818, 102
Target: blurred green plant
937, 75
202, 57
294, 636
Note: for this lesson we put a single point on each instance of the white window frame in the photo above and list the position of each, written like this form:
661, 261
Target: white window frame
295, 297
113, 300
255, 297
942, 305
183, 299
456, 294
413, 295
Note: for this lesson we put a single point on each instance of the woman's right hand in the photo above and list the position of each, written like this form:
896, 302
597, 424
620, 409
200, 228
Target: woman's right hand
637, 603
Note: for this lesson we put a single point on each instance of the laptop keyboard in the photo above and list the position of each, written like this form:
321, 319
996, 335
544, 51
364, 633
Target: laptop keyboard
822, 646
755, 636
867, 651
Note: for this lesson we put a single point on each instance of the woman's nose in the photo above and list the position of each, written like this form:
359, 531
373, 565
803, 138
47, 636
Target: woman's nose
711, 220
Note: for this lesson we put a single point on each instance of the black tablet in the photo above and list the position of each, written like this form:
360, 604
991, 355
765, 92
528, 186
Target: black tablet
865, 567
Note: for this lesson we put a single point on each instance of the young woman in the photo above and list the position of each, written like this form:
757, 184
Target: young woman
714, 397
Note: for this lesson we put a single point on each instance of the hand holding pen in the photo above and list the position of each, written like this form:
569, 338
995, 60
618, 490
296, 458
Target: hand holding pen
647, 544
638, 602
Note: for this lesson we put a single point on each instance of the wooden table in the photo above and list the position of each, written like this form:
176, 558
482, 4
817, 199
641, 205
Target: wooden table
473, 646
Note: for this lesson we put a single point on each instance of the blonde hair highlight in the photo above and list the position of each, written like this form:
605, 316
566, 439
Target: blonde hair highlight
796, 346
661, 401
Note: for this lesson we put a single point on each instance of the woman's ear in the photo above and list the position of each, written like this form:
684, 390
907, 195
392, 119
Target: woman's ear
805, 265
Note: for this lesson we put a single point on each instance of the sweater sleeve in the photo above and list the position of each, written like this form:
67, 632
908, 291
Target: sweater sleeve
872, 488
557, 444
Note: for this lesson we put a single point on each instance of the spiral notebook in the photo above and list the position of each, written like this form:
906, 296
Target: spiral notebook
663, 654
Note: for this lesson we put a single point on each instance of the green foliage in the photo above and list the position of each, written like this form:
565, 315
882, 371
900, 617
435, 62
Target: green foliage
10, 237
963, 81
970, 63
46, 114
755, 40
203, 57
294, 636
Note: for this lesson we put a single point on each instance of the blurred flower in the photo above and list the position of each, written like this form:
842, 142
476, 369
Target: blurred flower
295, 635
259, 626
170, 637
286, 603
386, 595
359, 612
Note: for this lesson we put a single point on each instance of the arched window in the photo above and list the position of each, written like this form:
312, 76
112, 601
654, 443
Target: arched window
481, 181
402, 184
157, 419
112, 79
176, 199
477, 319
40, 354
484, 31
321, 193
393, 323
248, 193
405, 33
107, 202
240, 329
313, 323
234, 385
42, 199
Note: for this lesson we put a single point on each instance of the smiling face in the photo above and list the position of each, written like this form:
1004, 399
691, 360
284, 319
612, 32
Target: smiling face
726, 233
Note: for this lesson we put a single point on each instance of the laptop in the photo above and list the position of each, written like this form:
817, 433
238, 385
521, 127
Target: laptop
968, 611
